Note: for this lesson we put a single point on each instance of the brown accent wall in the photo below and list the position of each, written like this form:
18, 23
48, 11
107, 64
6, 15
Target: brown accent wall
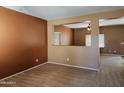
114, 35
79, 36
66, 34
23, 38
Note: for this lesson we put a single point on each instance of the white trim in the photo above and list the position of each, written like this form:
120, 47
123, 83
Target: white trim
23, 71
73, 66
105, 54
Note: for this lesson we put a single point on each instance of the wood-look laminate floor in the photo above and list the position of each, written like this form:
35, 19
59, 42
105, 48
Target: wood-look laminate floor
52, 75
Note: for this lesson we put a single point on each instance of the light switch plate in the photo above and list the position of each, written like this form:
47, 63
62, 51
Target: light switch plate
36, 59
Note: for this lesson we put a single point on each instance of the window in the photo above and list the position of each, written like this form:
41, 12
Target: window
57, 38
88, 40
101, 40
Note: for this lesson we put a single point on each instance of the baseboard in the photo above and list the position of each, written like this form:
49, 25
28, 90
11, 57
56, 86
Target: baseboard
111, 54
73, 66
23, 71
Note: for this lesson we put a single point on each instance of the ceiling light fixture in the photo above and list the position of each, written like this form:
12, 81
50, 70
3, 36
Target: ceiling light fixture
89, 27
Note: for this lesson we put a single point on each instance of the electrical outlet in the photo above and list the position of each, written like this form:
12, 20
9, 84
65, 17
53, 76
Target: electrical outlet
115, 51
122, 43
36, 59
68, 59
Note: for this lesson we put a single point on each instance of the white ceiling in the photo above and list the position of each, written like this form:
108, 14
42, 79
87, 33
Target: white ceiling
102, 22
18, 8
78, 25
57, 12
